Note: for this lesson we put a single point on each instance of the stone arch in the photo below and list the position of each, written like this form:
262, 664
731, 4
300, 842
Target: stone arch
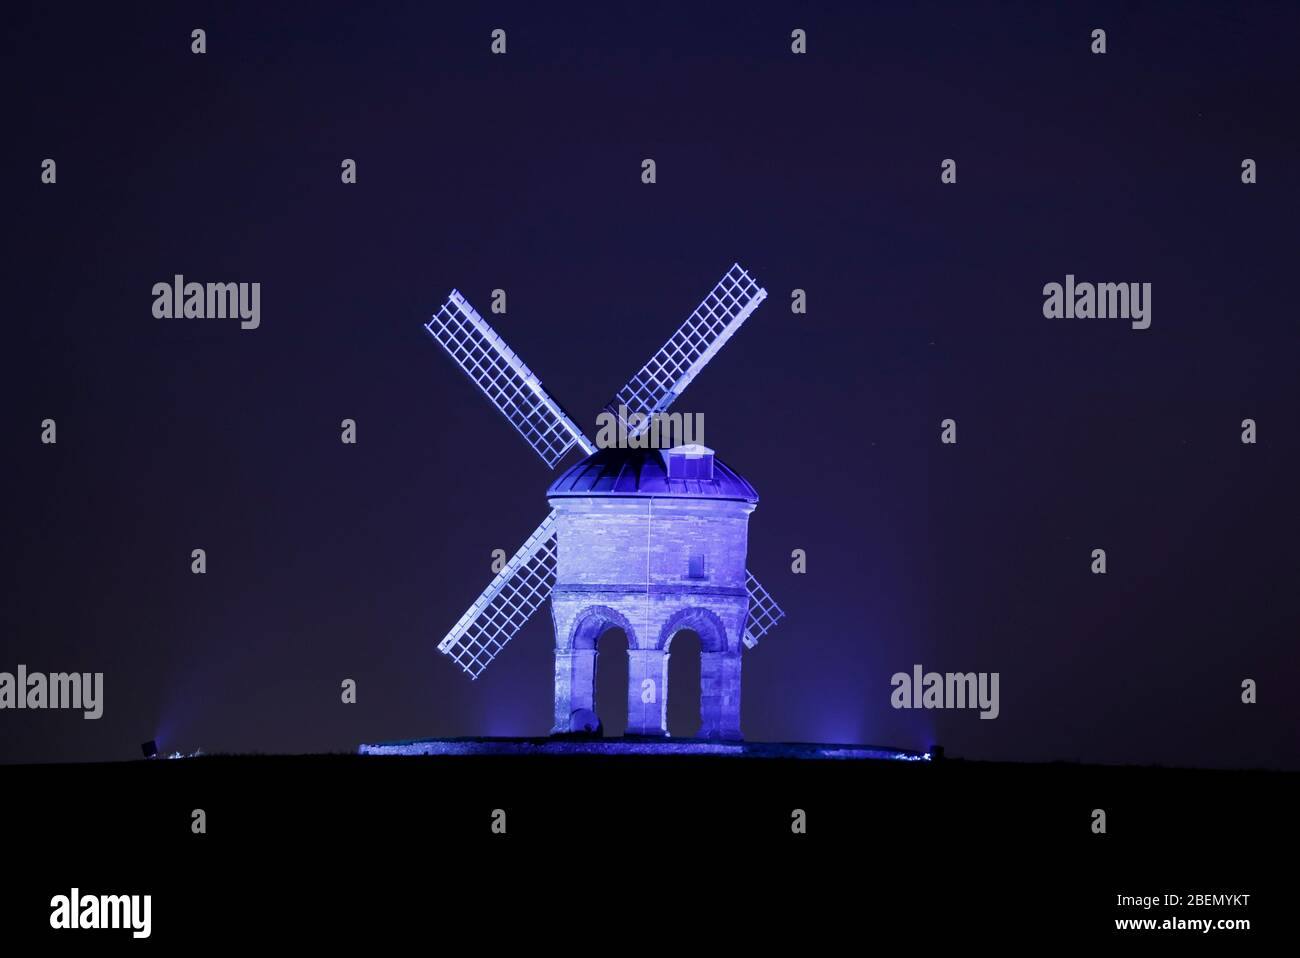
706, 624
575, 666
719, 670
595, 619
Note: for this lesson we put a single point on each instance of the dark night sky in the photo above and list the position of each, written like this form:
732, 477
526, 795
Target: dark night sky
522, 172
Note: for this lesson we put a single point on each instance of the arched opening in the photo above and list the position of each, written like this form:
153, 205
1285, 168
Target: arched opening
714, 681
684, 682
611, 680
577, 672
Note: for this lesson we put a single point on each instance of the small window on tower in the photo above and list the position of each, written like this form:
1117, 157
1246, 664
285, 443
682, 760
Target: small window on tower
695, 566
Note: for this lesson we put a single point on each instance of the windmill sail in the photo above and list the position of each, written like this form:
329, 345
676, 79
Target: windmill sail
764, 613
511, 386
509, 601
668, 372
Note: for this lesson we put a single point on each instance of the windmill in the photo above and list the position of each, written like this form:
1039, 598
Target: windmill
526, 581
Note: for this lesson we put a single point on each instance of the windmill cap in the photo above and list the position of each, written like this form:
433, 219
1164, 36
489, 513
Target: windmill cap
646, 472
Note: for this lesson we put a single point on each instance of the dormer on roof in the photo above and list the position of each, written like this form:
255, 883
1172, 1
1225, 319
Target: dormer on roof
691, 461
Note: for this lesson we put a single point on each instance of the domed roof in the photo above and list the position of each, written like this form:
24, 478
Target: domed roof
645, 472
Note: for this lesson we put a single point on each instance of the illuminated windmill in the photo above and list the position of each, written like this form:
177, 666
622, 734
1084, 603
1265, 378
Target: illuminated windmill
680, 502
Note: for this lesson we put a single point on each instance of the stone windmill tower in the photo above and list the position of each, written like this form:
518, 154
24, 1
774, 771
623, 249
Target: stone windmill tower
652, 542
649, 540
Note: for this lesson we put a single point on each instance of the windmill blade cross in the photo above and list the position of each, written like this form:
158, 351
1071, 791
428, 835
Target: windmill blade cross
526, 581
511, 386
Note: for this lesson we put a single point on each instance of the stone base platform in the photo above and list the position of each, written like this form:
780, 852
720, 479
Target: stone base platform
639, 746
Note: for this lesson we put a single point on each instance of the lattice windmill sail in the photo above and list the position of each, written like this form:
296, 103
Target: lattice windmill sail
521, 587
667, 374
525, 582
513, 388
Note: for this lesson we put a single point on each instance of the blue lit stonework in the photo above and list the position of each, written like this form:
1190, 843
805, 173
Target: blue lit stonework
652, 542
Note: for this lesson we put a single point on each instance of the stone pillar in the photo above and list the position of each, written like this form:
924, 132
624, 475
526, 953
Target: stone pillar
720, 695
647, 717
575, 685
